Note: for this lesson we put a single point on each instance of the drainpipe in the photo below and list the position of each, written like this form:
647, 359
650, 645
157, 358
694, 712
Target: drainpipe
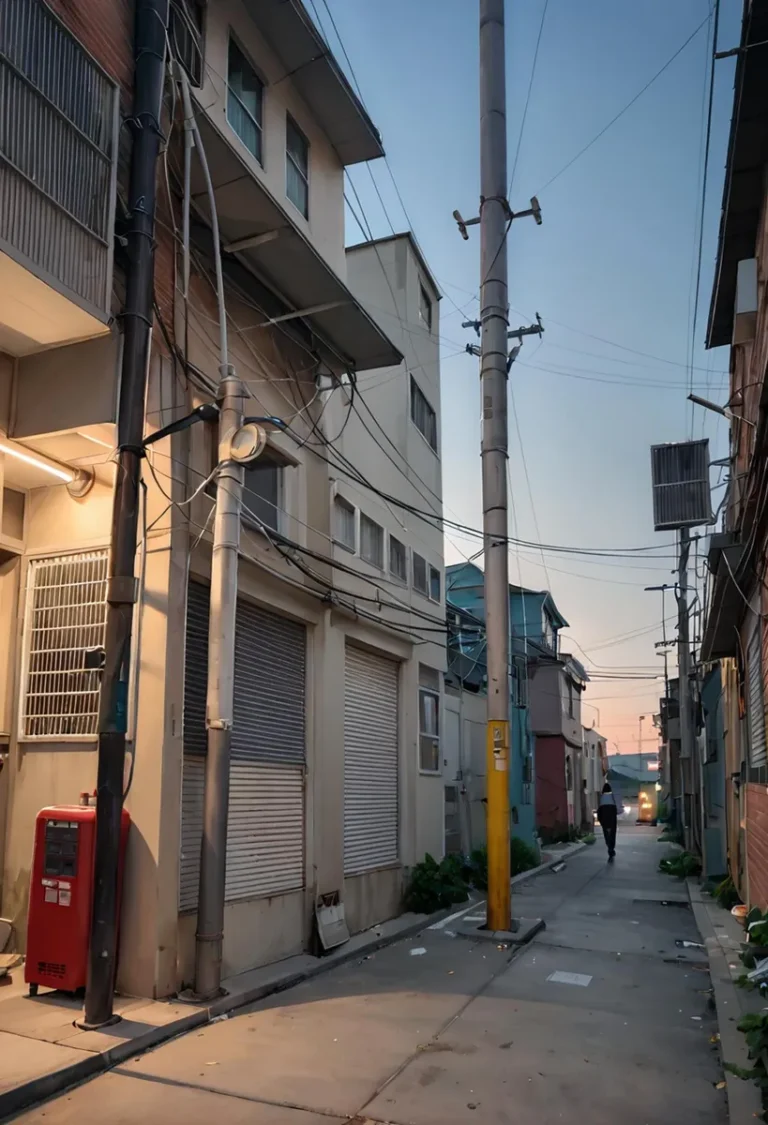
149, 74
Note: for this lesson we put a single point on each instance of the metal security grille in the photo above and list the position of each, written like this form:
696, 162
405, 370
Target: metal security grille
265, 835
65, 616
371, 772
58, 134
757, 747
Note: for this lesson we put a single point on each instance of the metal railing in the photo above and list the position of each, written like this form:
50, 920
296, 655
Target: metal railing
58, 155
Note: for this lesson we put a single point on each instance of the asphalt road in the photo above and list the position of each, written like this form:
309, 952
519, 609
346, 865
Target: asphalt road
602, 1019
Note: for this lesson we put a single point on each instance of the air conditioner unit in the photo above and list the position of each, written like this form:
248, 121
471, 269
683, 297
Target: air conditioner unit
680, 476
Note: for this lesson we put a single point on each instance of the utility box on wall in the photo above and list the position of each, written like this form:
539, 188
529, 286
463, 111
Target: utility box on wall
61, 894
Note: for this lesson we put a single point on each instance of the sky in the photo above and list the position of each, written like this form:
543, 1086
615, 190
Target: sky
612, 271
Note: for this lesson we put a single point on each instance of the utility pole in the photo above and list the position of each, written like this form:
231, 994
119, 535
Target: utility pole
219, 712
640, 735
684, 671
149, 75
495, 219
494, 317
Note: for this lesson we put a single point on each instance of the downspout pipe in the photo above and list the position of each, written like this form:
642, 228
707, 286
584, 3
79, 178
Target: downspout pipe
150, 38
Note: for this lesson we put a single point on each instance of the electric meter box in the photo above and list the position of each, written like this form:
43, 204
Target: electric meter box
61, 896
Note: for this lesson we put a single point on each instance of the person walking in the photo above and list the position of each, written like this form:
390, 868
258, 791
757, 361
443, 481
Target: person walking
607, 815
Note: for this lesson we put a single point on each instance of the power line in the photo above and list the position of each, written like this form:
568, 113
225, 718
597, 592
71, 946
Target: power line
628, 106
528, 97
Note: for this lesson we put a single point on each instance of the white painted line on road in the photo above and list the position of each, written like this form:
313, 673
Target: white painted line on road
459, 914
581, 979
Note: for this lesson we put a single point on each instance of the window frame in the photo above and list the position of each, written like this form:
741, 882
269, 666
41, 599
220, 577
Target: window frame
434, 572
425, 301
267, 457
290, 123
340, 501
259, 125
417, 395
371, 562
429, 690
418, 589
402, 579
198, 16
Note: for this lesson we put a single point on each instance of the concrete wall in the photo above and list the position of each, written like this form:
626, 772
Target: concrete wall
325, 226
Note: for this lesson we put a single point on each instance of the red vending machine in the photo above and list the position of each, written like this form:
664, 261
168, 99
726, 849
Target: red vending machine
61, 893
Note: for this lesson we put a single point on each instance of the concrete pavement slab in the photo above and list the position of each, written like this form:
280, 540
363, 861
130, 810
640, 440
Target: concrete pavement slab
330, 1043
115, 1099
20, 1059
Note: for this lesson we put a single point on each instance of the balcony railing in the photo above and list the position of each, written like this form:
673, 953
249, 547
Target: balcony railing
58, 152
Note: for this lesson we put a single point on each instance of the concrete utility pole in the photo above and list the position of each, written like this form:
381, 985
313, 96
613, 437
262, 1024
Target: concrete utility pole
684, 671
495, 218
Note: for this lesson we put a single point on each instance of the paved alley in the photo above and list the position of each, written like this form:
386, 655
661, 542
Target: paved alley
603, 1018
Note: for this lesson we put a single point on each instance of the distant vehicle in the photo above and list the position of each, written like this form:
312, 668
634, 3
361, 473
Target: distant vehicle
648, 806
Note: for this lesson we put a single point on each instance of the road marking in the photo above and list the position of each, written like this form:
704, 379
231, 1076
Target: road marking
581, 979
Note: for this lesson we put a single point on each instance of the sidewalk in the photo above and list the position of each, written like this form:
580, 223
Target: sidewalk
43, 1053
603, 1018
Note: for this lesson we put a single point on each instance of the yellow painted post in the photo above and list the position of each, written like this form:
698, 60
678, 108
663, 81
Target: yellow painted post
497, 793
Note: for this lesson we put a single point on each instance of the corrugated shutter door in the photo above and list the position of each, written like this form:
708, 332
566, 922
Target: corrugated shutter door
265, 838
270, 679
757, 755
370, 761
192, 789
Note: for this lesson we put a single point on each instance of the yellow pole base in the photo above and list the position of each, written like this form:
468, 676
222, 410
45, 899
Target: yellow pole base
497, 793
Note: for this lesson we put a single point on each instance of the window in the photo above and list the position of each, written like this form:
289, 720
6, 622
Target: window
263, 492
244, 100
64, 622
296, 167
398, 560
429, 719
344, 530
371, 542
186, 33
420, 575
434, 584
425, 308
547, 630
422, 415
570, 699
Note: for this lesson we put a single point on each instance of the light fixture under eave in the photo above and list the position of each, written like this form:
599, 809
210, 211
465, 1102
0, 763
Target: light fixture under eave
78, 481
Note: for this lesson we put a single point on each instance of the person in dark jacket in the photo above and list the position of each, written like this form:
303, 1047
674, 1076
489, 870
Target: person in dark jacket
607, 815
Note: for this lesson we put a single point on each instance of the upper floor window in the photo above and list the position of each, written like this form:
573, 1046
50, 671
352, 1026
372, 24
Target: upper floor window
547, 630
186, 33
422, 415
434, 584
297, 166
570, 699
344, 523
425, 308
398, 560
429, 719
420, 576
263, 492
245, 95
371, 541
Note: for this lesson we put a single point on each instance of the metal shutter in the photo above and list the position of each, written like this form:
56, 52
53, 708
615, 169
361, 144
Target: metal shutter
265, 837
370, 761
757, 750
270, 685
192, 789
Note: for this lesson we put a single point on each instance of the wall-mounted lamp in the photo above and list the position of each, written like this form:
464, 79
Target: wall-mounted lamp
78, 481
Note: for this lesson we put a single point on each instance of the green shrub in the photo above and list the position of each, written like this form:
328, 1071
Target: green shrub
478, 869
681, 866
725, 893
755, 1027
588, 838
522, 856
436, 886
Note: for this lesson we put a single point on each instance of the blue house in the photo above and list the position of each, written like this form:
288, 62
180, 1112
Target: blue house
534, 626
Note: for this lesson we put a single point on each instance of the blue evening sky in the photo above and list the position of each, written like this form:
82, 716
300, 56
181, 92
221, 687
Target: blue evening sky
614, 263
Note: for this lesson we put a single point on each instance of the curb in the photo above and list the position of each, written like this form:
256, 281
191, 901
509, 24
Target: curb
41, 1088
744, 1101
567, 854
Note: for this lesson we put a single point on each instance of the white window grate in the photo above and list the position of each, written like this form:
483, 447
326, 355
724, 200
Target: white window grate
65, 616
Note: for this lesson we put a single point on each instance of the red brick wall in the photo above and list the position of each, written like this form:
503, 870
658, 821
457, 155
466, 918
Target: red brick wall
551, 793
757, 845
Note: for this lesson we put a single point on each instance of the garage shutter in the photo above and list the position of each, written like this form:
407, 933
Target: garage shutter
757, 753
265, 838
370, 761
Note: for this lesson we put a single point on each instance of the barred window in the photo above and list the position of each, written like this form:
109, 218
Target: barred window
64, 620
